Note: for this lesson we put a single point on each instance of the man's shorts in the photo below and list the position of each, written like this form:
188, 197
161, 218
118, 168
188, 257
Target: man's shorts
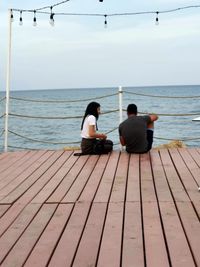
149, 138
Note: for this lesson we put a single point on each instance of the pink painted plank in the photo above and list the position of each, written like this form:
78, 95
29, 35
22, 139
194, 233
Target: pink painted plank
88, 249
12, 213
81, 180
38, 179
110, 250
119, 186
105, 186
18, 169
185, 175
195, 155
155, 249
191, 164
34, 168
147, 186
133, 186
66, 183
3, 209
25, 244
192, 227
133, 253
11, 159
47, 242
13, 233
50, 187
160, 180
178, 247
91, 187
176, 186
66, 248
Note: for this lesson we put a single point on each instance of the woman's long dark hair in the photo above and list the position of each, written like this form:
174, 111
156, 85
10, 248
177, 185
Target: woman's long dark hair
91, 110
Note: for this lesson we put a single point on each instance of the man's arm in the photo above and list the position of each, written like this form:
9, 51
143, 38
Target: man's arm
153, 117
122, 141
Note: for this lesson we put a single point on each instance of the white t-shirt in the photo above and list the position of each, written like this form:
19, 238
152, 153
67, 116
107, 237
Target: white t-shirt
89, 120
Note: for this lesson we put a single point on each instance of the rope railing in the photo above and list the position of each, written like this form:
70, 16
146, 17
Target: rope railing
2, 116
180, 139
1, 133
169, 114
2, 99
162, 96
42, 141
61, 101
56, 118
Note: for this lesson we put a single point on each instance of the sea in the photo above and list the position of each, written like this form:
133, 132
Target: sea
51, 119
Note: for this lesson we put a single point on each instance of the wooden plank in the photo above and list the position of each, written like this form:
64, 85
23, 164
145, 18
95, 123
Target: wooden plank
35, 167
68, 243
38, 179
51, 186
66, 183
147, 186
81, 180
161, 185
14, 232
133, 186
110, 250
25, 244
91, 187
3, 209
120, 180
42, 251
185, 175
195, 155
11, 159
88, 248
176, 186
18, 169
155, 248
133, 252
103, 192
179, 250
191, 164
192, 227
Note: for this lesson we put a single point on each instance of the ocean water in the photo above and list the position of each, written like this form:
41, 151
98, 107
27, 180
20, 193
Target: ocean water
67, 131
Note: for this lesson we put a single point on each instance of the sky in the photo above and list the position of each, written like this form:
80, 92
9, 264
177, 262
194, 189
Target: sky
78, 52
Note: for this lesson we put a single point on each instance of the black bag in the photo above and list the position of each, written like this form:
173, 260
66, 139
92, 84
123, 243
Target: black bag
103, 147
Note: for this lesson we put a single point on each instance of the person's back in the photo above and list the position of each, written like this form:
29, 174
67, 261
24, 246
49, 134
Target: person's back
136, 132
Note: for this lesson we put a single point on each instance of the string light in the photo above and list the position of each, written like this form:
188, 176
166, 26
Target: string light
40, 10
20, 19
11, 16
51, 21
34, 19
105, 22
157, 20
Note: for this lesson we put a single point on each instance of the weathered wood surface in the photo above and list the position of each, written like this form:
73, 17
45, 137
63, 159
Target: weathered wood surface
114, 210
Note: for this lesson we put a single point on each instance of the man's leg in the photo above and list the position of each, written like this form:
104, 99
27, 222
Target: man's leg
150, 130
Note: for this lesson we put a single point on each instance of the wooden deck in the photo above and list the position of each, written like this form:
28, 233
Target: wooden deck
107, 211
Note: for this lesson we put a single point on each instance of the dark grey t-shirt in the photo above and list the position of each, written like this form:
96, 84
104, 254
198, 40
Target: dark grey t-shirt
134, 132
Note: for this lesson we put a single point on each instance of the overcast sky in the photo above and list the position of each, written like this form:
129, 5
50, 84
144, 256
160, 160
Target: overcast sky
79, 52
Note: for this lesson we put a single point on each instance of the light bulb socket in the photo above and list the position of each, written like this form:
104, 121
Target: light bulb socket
11, 16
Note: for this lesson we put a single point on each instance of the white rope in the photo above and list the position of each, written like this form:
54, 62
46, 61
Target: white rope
169, 114
60, 101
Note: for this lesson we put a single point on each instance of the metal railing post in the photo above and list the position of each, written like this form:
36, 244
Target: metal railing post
8, 73
120, 108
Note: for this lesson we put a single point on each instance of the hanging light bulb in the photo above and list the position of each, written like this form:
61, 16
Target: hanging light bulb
101, 1
51, 21
105, 22
34, 19
157, 20
11, 16
20, 19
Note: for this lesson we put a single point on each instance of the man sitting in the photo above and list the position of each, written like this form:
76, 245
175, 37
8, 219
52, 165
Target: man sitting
136, 132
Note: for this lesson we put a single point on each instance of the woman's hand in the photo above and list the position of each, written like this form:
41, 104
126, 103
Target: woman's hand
102, 136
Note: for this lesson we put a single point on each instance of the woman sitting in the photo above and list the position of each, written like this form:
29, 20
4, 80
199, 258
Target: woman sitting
92, 141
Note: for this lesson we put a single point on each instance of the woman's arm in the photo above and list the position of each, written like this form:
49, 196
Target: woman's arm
94, 134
